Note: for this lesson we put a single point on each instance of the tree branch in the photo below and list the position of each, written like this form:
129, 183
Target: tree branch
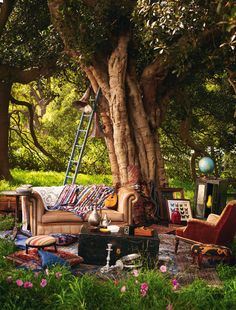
31, 126
22, 76
5, 11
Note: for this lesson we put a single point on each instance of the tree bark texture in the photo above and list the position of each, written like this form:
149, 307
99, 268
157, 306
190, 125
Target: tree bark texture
130, 138
5, 89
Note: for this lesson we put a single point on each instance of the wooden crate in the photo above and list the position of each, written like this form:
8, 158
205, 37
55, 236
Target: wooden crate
7, 205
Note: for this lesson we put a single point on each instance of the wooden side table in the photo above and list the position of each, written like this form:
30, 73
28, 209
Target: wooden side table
17, 196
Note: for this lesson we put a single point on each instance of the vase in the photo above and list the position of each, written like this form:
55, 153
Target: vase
94, 217
176, 217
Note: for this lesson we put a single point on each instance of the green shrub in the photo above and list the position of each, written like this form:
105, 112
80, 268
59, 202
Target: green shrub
6, 222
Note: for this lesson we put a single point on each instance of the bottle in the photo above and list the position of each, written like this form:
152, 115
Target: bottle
176, 217
209, 201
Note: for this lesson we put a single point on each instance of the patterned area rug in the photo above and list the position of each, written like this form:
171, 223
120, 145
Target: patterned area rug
180, 266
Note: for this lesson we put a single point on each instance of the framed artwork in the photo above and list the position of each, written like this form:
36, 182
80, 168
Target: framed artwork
182, 205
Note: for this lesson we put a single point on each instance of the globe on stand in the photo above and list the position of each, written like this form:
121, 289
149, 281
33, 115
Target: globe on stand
206, 165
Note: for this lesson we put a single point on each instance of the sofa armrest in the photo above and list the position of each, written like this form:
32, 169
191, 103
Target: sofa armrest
127, 196
39, 205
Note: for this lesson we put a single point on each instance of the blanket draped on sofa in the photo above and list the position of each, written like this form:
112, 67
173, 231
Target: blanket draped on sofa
78, 199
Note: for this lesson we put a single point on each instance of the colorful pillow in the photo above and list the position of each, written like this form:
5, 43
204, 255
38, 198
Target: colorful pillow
49, 259
64, 239
32, 260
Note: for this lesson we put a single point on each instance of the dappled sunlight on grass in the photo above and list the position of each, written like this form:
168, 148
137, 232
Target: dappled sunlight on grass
49, 178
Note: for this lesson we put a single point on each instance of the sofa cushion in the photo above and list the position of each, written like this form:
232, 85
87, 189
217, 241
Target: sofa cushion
63, 216
60, 216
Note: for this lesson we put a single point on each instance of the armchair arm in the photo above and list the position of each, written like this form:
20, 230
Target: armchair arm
200, 231
127, 196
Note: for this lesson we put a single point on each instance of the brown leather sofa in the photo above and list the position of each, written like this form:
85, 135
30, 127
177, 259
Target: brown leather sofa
46, 222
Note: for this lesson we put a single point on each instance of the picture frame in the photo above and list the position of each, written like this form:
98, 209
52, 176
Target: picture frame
182, 205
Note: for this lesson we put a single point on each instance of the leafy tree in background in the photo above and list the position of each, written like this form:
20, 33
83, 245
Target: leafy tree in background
200, 122
28, 46
140, 53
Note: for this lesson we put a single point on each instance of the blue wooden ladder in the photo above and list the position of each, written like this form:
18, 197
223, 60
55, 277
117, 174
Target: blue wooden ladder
78, 149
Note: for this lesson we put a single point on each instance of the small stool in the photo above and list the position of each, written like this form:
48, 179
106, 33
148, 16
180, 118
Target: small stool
40, 242
209, 252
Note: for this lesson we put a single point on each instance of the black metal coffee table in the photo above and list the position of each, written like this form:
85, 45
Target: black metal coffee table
92, 246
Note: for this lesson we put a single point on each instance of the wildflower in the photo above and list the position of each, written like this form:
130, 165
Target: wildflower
175, 284
116, 282
123, 289
19, 282
9, 279
169, 307
143, 289
28, 284
43, 283
163, 268
46, 272
135, 273
58, 275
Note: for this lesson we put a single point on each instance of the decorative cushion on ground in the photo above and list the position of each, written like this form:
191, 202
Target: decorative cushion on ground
210, 250
49, 259
28, 260
210, 253
64, 239
40, 241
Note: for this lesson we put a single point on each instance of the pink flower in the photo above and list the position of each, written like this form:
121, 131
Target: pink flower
135, 273
58, 275
123, 289
143, 289
175, 284
43, 283
28, 284
169, 307
163, 268
19, 282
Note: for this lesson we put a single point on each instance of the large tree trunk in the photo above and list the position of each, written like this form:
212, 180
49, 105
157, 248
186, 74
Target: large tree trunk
5, 90
134, 142
130, 115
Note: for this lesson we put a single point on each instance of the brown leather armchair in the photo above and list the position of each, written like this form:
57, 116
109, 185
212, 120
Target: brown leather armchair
217, 229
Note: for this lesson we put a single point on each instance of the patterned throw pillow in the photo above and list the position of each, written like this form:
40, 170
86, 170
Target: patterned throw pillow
64, 239
32, 260
139, 211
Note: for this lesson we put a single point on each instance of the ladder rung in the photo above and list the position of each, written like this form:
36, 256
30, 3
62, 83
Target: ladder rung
77, 145
74, 161
69, 177
82, 130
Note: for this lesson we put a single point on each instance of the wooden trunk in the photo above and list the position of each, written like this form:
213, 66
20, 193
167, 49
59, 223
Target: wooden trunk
92, 247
